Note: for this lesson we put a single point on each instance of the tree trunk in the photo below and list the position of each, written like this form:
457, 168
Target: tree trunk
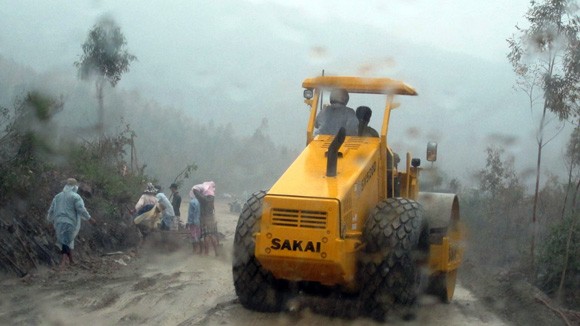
537, 189
567, 189
575, 197
536, 195
101, 123
134, 168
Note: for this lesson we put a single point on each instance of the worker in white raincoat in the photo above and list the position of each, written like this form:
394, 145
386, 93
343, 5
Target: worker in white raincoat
65, 214
167, 213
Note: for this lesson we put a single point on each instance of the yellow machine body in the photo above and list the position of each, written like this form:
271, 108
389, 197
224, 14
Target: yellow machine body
311, 223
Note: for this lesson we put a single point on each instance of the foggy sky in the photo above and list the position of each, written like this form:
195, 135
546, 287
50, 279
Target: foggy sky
241, 61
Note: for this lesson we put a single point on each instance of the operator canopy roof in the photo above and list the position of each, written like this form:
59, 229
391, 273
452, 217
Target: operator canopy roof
360, 85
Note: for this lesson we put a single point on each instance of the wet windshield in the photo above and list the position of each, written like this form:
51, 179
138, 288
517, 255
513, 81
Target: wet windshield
156, 163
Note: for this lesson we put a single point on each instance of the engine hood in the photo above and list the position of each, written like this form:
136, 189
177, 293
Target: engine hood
306, 177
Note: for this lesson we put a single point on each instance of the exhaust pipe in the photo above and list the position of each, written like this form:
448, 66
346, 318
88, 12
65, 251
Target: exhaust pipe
332, 154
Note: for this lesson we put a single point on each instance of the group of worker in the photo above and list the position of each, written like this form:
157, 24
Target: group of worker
153, 210
337, 115
163, 213
154, 206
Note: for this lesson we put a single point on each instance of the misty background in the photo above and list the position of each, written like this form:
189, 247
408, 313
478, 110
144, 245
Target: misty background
207, 68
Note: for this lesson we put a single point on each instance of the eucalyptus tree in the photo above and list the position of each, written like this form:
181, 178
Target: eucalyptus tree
105, 58
545, 56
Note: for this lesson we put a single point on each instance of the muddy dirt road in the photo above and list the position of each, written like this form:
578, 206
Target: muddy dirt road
150, 287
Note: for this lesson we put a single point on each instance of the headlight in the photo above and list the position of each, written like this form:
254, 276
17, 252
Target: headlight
308, 94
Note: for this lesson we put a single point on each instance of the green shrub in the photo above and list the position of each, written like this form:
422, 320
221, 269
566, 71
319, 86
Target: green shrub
557, 253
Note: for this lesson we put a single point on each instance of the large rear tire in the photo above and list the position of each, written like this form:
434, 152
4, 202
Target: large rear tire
396, 243
256, 288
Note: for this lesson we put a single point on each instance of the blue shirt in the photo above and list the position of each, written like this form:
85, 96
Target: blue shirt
193, 215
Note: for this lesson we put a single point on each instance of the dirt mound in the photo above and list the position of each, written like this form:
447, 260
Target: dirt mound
28, 241
512, 297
